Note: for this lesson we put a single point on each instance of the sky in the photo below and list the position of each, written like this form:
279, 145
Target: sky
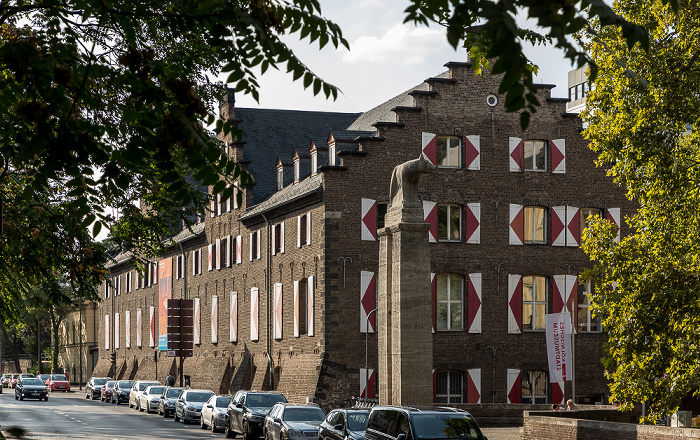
385, 59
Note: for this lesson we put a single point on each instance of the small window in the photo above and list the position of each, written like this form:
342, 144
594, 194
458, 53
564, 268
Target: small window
586, 321
449, 219
303, 233
449, 308
314, 162
448, 151
331, 155
277, 230
572, 94
579, 91
535, 224
535, 156
381, 213
534, 302
449, 387
534, 387
585, 213
303, 289
280, 178
296, 171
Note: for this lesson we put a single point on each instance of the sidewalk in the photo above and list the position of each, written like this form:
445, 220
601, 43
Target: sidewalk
507, 433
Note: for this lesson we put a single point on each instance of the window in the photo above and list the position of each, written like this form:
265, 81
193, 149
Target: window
449, 387
534, 221
280, 178
381, 213
314, 162
534, 302
301, 306
449, 302
447, 151
585, 214
296, 171
278, 239
534, 387
449, 219
572, 93
586, 321
255, 245
535, 155
304, 229
331, 155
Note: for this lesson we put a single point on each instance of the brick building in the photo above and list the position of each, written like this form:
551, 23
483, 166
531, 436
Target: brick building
284, 283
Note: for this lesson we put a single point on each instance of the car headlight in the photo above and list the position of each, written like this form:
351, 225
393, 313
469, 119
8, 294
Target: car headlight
191, 408
222, 416
291, 432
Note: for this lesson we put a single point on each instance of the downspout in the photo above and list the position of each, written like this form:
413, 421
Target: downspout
268, 259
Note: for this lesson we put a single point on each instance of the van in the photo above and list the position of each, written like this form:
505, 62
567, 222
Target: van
414, 423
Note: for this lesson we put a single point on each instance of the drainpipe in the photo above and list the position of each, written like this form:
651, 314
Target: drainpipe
268, 259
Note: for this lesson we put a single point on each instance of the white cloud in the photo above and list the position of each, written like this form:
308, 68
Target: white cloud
403, 44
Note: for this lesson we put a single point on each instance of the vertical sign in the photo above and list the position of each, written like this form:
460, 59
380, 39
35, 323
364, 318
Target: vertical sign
165, 292
558, 329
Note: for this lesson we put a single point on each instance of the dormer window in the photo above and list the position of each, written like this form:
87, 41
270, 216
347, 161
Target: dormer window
331, 155
296, 171
280, 178
314, 162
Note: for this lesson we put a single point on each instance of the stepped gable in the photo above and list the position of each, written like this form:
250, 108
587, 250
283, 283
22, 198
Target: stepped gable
270, 134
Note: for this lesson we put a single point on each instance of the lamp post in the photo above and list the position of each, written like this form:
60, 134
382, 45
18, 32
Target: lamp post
494, 351
367, 350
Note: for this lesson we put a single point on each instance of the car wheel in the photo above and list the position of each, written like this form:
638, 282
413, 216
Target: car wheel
227, 430
16, 398
183, 419
246, 434
21, 398
213, 426
175, 418
202, 424
46, 398
130, 405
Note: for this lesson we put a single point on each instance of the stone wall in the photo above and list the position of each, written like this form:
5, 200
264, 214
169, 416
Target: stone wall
558, 428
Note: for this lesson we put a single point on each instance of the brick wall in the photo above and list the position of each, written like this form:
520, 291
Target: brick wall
557, 428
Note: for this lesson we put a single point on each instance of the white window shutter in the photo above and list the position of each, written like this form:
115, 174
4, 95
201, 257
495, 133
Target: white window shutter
515, 303
258, 239
308, 228
429, 147
239, 249
430, 217
472, 152
367, 300
197, 330
297, 313
274, 240
310, 306
573, 226
277, 304
233, 317
299, 231
516, 151
474, 303
252, 237
474, 385
558, 153
199, 264
194, 263
516, 225
210, 261
229, 248
473, 223
254, 313
559, 294
281, 226
558, 225
214, 319
368, 221
613, 215
514, 386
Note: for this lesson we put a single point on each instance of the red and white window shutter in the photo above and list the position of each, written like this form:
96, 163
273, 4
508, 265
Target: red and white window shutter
233, 317
254, 313
210, 256
515, 303
197, 322
152, 327
139, 328
558, 154
368, 380
239, 249
117, 333
514, 385
252, 237
558, 393
429, 147
516, 151
474, 385
367, 301
430, 217
308, 228
473, 223
214, 319
472, 152
516, 230
258, 235
310, 306
297, 311
433, 298
127, 329
474, 303
565, 291
229, 247
369, 220
277, 302
107, 332
217, 250
566, 227
613, 215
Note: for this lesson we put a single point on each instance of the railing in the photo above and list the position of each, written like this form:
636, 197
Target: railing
363, 402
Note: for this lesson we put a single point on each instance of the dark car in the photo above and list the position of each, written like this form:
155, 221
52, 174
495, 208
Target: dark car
288, 421
106, 393
121, 391
247, 411
408, 423
344, 424
31, 388
93, 389
168, 397
189, 405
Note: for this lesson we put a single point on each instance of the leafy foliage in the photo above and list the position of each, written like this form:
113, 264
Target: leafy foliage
644, 121
488, 29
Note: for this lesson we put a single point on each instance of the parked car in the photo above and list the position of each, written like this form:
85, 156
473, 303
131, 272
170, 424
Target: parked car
137, 389
13, 379
167, 400
247, 411
5, 380
344, 424
404, 423
149, 399
31, 388
189, 404
214, 413
93, 389
58, 382
121, 391
107, 389
289, 421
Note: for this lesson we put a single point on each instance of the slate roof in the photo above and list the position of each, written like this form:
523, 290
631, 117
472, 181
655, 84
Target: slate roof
287, 194
269, 133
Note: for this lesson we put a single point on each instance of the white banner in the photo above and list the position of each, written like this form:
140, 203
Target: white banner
558, 329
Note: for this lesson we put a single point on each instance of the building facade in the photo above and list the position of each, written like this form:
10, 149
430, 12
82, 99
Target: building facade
78, 339
284, 285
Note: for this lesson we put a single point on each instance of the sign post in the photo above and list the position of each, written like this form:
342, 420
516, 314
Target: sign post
180, 330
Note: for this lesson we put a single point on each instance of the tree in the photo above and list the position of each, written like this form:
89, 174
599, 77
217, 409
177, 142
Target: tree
488, 29
644, 121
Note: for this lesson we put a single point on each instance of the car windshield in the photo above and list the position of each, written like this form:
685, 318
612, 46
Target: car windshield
303, 415
58, 377
100, 381
445, 426
222, 402
144, 385
173, 392
110, 383
357, 421
26, 375
32, 381
264, 400
155, 390
125, 384
198, 397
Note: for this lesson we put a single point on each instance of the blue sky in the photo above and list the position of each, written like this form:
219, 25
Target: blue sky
386, 58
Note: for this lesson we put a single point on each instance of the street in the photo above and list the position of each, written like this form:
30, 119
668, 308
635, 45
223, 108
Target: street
71, 416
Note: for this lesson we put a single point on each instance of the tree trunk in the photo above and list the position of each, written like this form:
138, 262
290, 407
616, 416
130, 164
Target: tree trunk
12, 346
55, 324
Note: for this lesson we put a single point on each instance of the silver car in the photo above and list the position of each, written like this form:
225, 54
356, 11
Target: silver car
214, 413
149, 399
289, 421
137, 389
189, 405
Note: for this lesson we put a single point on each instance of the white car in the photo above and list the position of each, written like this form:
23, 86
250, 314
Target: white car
137, 389
214, 413
149, 399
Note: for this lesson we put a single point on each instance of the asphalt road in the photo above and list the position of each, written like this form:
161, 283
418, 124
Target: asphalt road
71, 416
